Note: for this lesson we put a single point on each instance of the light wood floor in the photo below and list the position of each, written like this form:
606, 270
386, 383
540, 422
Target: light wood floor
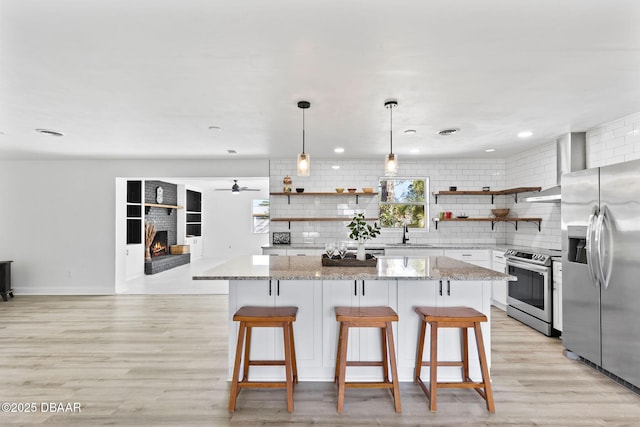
161, 360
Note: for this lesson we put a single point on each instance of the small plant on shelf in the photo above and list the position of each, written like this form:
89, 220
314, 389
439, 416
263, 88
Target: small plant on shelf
360, 231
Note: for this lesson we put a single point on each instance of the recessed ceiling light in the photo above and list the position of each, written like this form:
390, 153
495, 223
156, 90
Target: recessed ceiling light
446, 132
215, 128
490, 150
414, 151
525, 134
232, 152
338, 150
335, 167
50, 132
410, 131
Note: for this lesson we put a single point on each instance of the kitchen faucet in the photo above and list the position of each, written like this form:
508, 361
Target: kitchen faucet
405, 233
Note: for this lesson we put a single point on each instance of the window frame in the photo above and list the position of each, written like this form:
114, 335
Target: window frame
425, 203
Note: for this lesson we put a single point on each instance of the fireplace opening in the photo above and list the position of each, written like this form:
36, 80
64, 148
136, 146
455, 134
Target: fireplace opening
159, 245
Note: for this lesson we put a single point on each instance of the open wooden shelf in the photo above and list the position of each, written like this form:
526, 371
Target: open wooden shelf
148, 206
323, 193
312, 219
509, 191
493, 221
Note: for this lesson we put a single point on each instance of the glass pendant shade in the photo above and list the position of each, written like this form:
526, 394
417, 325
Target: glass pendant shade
391, 164
304, 164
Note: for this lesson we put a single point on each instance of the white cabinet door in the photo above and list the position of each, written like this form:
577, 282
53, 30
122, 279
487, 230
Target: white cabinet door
267, 343
134, 261
411, 294
473, 294
195, 247
557, 295
307, 329
364, 343
499, 287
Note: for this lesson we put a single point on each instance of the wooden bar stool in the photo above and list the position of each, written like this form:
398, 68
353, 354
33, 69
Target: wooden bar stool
264, 317
452, 317
367, 317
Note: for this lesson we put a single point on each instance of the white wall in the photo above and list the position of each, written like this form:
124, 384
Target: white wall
57, 221
534, 168
227, 222
466, 174
614, 142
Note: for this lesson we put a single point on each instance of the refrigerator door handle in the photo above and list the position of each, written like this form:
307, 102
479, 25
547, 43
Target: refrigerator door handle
593, 273
603, 237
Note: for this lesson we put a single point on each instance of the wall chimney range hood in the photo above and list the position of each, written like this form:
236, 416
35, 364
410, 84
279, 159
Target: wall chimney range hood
571, 156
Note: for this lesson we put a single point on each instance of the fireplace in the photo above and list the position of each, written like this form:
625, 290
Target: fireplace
159, 245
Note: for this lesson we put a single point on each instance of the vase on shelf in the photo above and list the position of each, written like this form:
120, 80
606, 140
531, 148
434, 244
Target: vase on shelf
361, 255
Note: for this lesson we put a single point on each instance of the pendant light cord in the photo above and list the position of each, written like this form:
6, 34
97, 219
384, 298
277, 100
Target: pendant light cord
303, 131
391, 128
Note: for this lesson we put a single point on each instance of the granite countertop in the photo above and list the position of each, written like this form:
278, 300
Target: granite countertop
260, 267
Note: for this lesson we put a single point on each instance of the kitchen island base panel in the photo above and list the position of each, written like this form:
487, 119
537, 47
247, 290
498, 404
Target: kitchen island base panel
316, 344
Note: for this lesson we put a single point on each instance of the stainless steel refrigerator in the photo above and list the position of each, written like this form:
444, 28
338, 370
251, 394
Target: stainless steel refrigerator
601, 267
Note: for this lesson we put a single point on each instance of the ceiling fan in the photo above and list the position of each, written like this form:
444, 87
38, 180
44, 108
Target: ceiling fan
236, 189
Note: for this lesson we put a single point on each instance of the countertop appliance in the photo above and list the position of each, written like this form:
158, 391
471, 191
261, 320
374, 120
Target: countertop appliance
601, 267
529, 298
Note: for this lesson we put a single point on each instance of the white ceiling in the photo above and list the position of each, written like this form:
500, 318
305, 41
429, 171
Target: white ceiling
146, 79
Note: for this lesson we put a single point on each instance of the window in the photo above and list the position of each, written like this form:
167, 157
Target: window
404, 201
260, 214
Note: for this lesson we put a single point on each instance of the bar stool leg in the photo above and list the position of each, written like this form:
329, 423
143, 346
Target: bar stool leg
293, 352
420, 351
394, 368
287, 364
488, 393
344, 340
385, 359
465, 354
338, 355
433, 365
247, 354
233, 395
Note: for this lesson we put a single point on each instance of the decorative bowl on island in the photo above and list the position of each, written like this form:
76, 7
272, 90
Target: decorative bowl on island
500, 213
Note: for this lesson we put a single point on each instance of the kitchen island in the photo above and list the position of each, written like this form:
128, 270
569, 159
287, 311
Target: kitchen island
398, 282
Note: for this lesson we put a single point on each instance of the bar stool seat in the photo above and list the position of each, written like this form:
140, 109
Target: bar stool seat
264, 317
367, 317
452, 317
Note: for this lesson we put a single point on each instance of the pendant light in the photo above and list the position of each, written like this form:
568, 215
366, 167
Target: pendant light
391, 160
304, 160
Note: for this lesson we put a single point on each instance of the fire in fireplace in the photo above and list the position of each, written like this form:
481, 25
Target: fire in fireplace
159, 245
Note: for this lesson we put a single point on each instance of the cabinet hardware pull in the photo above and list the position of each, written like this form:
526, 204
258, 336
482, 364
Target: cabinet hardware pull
440, 287
269, 287
355, 287
363, 288
449, 287
278, 291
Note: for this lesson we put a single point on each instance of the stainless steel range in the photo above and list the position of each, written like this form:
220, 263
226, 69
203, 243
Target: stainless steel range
529, 298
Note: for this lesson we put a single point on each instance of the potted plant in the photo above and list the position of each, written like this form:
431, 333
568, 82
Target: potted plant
360, 231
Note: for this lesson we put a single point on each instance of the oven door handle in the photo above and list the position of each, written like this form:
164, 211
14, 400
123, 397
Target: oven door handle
528, 266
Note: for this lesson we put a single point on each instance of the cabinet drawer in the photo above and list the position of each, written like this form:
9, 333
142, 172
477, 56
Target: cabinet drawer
468, 255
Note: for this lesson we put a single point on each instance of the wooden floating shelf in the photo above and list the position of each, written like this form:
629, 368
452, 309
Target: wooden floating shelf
342, 219
148, 206
509, 191
493, 221
323, 193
